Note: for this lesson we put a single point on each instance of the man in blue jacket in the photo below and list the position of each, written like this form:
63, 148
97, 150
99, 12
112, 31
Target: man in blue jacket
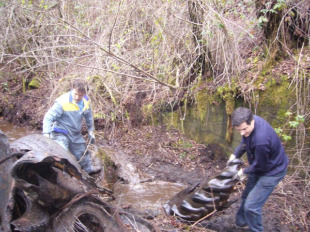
267, 165
63, 123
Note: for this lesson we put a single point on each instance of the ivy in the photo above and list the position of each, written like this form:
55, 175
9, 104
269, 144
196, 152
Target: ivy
280, 4
299, 119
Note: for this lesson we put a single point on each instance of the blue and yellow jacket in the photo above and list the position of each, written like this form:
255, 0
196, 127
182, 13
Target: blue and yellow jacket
65, 117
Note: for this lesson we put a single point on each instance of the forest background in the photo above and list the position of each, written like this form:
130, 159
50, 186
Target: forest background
141, 58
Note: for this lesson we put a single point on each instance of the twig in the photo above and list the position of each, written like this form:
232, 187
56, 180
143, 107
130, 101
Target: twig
208, 215
86, 150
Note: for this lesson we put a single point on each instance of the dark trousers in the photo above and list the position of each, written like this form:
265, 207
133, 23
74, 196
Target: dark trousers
254, 196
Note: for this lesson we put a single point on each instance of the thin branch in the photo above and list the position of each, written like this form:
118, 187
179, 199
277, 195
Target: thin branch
103, 49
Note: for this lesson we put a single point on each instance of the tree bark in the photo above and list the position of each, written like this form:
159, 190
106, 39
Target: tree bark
200, 66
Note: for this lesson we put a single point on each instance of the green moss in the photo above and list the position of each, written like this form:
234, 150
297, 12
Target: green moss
173, 119
202, 103
148, 135
265, 72
184, 144
277, 95
228, 93
204, 97
105, 158
99, 116
34, 83
229, 99
109, 167
96, 80
24, 85
138, 152
255, 60
147, 110
101, 88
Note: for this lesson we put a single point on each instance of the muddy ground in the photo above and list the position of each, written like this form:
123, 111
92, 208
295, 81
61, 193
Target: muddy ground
164, 154
161, 158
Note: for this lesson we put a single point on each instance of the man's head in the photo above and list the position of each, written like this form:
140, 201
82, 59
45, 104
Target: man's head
243, 121
78, 91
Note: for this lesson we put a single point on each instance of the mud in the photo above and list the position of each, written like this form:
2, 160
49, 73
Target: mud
156, 159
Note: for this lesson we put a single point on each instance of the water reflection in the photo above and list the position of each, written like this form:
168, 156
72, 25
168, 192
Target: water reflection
211, 126
206, 128
148, 195
11, 131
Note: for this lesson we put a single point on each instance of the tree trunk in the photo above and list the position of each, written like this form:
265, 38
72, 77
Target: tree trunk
199, 66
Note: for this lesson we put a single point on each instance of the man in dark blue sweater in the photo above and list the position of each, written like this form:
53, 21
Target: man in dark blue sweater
267, 165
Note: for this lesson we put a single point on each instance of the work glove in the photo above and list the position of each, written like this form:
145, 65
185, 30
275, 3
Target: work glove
240, 175
46, 135
232, 157
91, 137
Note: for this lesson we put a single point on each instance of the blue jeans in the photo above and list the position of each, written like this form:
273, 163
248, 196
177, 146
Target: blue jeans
77, 149
254, 196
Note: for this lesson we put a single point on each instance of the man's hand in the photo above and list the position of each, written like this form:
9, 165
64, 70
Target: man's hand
91, 137
232, 157
240, 175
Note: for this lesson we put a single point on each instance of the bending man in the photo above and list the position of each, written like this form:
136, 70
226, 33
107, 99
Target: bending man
63, 123
267, 165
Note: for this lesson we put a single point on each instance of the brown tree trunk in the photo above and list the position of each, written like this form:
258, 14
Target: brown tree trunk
200, 65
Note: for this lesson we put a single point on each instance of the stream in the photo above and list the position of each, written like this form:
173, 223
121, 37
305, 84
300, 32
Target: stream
11, 131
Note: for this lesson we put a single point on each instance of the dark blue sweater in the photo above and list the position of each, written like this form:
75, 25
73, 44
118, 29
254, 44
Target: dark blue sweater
264, 149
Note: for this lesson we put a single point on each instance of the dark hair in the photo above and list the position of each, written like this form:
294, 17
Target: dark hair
241, 115
79, 86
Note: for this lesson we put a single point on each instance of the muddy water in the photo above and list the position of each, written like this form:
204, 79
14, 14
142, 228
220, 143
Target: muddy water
11, 131
148, 195
136, 189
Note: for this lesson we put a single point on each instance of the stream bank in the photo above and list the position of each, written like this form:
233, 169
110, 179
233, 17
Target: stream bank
158, 153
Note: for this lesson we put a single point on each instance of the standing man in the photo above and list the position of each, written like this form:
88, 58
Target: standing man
63, 123
267, 165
